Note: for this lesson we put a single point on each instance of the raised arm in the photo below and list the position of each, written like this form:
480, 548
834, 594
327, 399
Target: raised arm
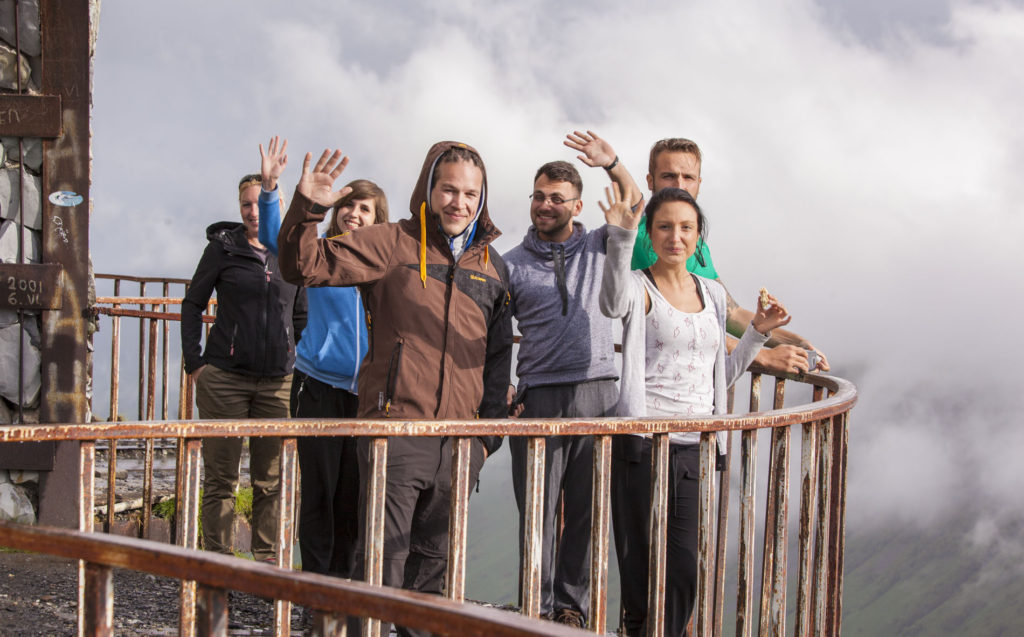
598, 153
785, 351
617, 284
272, 165
755, 334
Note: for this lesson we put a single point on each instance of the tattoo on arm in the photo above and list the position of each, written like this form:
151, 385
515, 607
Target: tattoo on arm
730, 303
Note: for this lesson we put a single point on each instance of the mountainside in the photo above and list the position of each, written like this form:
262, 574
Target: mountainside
958, 577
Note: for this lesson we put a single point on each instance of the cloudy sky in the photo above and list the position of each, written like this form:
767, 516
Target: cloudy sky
861, 161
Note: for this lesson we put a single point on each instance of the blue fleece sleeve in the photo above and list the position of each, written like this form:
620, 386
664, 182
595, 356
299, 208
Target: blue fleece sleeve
270, 218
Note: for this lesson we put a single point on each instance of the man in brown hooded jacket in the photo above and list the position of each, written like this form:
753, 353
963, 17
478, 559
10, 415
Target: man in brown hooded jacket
440, 334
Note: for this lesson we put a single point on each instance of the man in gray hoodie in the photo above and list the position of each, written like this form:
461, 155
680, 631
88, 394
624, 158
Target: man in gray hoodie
566, 365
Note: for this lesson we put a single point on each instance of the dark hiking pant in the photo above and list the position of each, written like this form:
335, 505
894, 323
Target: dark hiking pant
416, 509
329, 509
631, 508
226, 395
568, 479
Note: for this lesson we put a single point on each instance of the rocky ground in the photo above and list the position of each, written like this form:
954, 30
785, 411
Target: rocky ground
38, 596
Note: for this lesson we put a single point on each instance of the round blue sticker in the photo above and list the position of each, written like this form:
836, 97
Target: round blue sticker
65, 198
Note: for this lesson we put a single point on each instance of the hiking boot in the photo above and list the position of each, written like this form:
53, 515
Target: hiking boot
570, 617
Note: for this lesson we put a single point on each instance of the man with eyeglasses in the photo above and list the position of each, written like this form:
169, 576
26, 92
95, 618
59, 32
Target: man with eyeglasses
566, 364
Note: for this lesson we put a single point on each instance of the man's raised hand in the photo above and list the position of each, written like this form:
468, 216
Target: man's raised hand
273, 162
596, 152
316, 185
617, 212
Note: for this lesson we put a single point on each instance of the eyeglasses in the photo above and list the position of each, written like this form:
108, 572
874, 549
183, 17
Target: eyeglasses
556, 199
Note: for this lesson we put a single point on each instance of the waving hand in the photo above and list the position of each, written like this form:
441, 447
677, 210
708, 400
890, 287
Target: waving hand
316, 184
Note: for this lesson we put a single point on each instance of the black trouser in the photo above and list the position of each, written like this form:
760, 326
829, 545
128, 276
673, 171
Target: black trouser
631, 508
568, 472
329, 510
416, 510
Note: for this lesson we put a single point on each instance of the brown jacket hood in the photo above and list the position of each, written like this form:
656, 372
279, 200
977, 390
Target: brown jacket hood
419, 203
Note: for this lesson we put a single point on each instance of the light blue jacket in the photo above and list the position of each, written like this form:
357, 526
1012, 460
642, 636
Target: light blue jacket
334, 342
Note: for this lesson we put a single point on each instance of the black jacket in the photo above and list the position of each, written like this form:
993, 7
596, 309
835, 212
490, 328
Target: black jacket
254, 332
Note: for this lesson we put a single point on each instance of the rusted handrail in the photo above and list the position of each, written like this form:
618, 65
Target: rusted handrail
842, 401
821, 504
220, 573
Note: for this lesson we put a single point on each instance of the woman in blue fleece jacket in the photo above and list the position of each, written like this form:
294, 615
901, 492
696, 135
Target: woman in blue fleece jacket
327, 360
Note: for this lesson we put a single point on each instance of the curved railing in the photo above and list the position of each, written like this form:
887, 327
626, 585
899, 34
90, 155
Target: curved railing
823, 425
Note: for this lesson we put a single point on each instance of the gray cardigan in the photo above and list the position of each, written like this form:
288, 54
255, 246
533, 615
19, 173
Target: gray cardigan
622, 296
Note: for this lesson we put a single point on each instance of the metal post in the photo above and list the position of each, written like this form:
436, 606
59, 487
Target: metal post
658, 530
748, 478
375, 499
600, 516
533, 527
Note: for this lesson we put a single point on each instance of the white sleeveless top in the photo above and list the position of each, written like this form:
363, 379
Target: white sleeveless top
680, 362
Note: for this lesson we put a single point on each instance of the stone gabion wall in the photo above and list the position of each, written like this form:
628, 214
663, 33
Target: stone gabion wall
20, 185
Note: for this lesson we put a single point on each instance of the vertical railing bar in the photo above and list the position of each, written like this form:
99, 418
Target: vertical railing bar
147, 486
147, 471
166, 329
808, 502
600, 505
779, 481
458, 519
190, 530
822, 534
748, 483
179, 491
375, 499
151, 369
658, 530
115, 355
211, 611
286, 528
532, 527
99, 600
722, 538
142, 355
108, 524
841, 448
768, 553
184, 387
706, 535
86, 519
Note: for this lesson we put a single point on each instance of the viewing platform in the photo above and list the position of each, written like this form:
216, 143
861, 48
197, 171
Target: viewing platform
731, 502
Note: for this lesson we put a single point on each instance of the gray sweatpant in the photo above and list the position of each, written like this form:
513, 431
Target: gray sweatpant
568, 472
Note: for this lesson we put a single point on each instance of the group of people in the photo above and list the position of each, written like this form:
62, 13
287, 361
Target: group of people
413, 319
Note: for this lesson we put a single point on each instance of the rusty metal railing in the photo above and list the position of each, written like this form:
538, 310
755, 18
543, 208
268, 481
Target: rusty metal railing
823, 425
216, 574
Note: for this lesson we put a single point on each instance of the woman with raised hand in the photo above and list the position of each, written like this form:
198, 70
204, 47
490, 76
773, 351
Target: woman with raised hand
674, 365
244, 371
327, 360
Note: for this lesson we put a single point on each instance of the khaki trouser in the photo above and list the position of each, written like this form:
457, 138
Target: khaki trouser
227, 395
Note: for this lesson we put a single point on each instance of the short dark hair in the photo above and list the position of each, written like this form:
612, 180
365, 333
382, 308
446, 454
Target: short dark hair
452, 155
666, 195
672, 145
361, 189
561, 171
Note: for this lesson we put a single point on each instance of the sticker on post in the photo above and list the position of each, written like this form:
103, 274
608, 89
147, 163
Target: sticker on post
65, 198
